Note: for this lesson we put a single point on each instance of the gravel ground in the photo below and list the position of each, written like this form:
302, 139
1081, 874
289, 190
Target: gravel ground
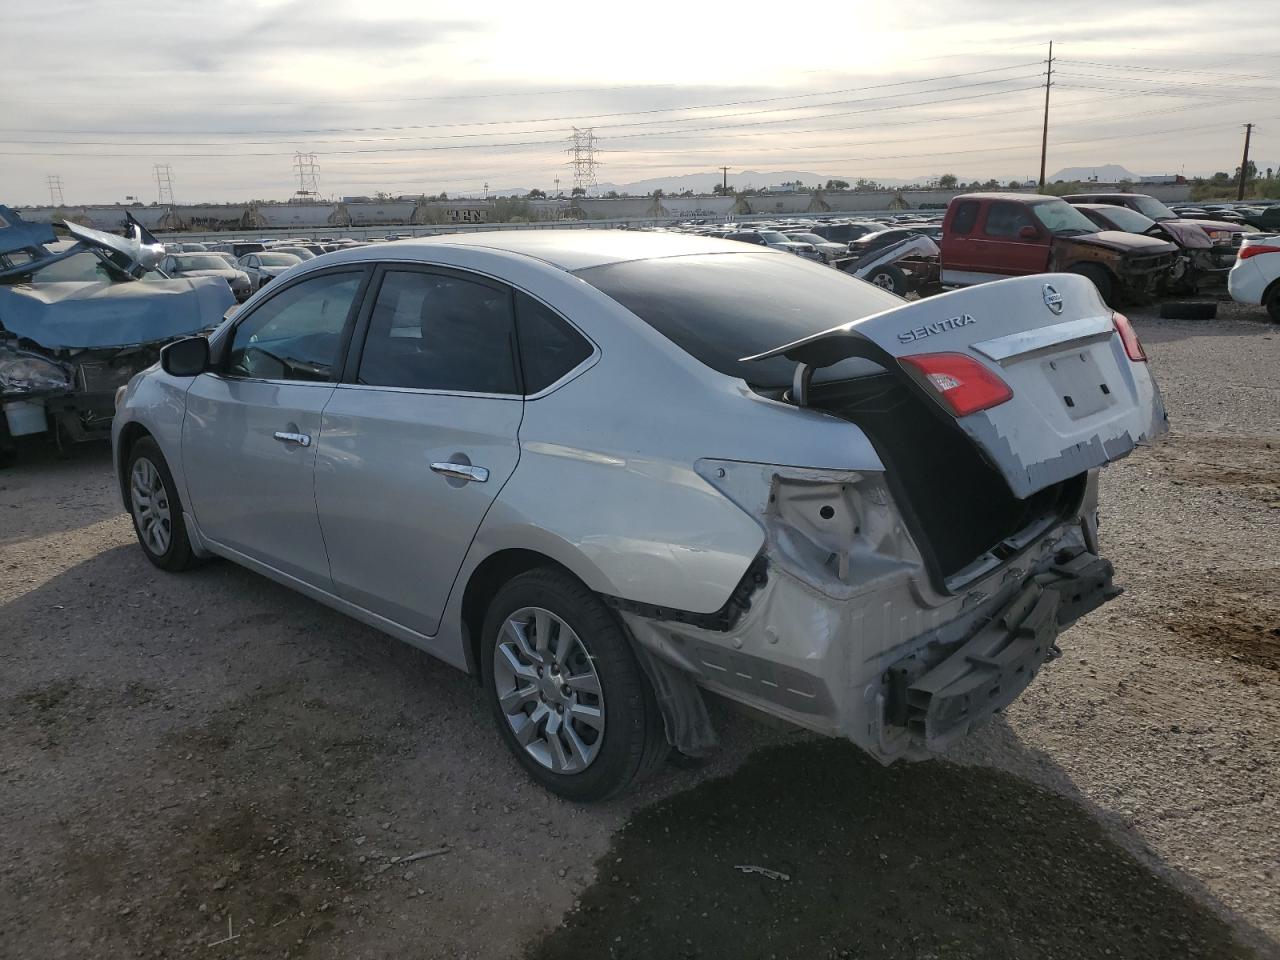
191, 758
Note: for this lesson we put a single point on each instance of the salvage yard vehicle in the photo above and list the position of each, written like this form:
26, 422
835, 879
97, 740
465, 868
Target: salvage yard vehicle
607, 471
1201, 260
78, 319
900, 261
265, 266
1256, 276
988, 236
775, 241
208, 265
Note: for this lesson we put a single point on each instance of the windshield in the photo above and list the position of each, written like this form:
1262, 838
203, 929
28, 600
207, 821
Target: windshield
773, 236
200, 263
1128, 220
278, 259
1154, 209
722, 307
807, 237
84, 267
1062, 219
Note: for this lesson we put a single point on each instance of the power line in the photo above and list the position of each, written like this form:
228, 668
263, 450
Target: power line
1151, 69
591, 116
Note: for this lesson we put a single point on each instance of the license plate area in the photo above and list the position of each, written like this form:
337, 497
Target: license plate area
1079, 383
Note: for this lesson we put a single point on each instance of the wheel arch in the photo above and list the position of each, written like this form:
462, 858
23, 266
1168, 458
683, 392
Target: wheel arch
130, 434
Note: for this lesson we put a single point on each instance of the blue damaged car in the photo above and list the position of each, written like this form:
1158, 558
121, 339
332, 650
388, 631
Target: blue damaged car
80, 317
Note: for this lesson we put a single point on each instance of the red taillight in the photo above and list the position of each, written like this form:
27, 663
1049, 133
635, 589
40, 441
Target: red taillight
1132, 345
1256, 250
963, 384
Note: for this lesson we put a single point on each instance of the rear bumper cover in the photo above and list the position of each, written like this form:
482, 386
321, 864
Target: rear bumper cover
897, 670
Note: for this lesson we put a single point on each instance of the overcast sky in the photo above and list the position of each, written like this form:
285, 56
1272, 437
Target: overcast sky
407, 96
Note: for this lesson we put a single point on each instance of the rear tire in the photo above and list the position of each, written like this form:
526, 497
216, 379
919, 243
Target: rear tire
153, 502
1101, 279
888, 277
573, 706
1189, 310
1272, 302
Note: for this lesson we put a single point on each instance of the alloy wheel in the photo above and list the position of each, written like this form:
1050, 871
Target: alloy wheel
150, 505
548, 690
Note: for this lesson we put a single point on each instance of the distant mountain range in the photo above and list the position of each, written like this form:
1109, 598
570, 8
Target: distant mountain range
1106, 173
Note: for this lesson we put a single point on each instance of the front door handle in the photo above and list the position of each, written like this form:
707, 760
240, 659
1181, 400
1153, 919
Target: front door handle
301, 439
460, 471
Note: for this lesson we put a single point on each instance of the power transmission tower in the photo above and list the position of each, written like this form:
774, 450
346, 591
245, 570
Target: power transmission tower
1244, 163
55, 189
583, 150
1044, 136
308, 171
164, 184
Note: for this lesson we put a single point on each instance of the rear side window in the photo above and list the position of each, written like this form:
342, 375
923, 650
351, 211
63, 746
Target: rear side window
721, 307
440, 332
1006, 219
549, 346
966, 216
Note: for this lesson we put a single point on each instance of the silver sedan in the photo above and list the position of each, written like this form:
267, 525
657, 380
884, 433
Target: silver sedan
608, 472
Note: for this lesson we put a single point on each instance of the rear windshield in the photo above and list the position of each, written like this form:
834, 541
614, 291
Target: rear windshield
722, 307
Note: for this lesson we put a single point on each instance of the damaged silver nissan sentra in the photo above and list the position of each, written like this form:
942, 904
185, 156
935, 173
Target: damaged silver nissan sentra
79, 317
610, 471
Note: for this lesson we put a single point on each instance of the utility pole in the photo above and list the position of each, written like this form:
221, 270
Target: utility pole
724, 183
1244, 163
1044, 136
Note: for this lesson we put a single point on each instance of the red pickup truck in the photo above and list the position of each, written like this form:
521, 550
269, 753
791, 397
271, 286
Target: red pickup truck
990, 236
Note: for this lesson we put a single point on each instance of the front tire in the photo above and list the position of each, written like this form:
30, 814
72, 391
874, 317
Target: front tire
568, 697
1272, 303
1101, 279
156, 509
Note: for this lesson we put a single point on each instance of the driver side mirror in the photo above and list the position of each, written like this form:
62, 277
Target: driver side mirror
1028, 233
188, 357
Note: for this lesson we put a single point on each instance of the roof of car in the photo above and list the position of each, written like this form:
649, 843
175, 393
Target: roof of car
1014, 197
1112, 196
576, 249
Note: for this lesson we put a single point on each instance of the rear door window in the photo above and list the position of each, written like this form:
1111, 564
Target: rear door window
549, 346
433, 331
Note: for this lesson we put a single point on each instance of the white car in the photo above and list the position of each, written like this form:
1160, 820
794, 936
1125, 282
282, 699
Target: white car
1256, 276
606, 471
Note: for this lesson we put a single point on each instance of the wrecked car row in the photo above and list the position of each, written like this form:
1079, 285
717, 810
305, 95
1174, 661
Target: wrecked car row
610, 472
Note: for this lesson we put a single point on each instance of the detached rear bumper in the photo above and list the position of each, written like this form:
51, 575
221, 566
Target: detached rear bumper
900, 672
939, 694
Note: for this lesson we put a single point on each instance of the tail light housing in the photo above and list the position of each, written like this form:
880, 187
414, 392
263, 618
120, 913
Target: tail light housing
962, 384
1256, 249
1129, 337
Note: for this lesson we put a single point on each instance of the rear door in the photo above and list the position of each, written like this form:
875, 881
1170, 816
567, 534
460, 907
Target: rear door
998, 247
1076, 398
418, 439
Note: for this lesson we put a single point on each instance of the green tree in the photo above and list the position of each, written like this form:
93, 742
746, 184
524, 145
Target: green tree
837, 185
1250, 172
947, 181
578, 192
536, 194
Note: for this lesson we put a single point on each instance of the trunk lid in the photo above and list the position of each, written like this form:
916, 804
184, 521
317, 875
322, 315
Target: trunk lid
1078, 401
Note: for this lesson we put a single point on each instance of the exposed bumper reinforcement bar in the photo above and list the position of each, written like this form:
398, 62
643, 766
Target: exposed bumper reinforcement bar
941, 698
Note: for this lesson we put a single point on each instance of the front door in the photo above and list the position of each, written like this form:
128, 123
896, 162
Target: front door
1000, 247
415, 446
251, 431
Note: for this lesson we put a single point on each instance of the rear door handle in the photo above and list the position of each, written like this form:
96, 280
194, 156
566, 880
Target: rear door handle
460, 471
301, 439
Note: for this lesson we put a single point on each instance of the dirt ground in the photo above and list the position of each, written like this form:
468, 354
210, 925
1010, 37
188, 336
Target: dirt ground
210, 765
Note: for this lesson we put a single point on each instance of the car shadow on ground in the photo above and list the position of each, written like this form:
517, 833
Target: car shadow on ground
814, 850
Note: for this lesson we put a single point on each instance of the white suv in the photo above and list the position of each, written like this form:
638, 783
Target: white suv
1256, 276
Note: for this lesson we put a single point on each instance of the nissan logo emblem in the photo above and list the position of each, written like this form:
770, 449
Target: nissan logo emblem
1052, 299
